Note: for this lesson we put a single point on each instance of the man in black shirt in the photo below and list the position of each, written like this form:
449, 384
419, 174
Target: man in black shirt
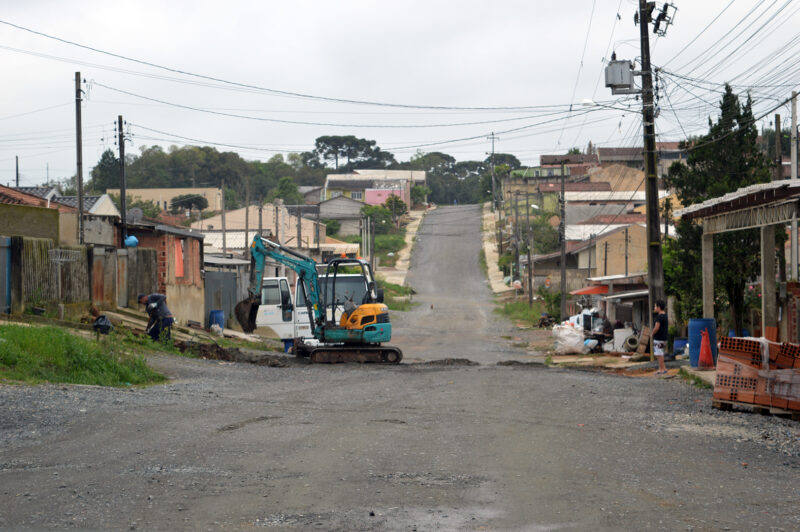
660, 335
160, 316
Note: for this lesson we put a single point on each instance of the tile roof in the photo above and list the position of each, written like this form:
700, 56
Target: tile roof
40, 192
583, 186
72, 201
573, 158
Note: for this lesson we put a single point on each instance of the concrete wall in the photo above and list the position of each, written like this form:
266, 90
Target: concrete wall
637, 252
68, 228
187, 302
161, 195
35, 222
99, 231
378, 196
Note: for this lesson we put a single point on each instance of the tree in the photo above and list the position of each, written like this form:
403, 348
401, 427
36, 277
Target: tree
381, 215
419, 193
358, 153
105, 174
188, 201
724, 160
396, 206
149, 208
332, 227
287, 191
503, 158
574, 151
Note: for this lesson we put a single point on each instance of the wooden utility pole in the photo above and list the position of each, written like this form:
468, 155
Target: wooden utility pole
299, 229
79, 154
247, 217
260, 218
224, 236
123, 182
562, 236
372, 243
626, 252
605, 258
516, 234
655, 267
17, 174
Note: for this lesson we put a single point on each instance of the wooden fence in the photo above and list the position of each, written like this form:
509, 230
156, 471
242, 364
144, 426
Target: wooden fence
53, 274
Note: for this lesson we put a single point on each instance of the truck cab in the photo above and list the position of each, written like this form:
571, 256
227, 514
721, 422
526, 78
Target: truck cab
276, 310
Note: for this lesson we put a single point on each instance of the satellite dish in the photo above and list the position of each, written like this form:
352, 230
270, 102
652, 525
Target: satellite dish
134, 215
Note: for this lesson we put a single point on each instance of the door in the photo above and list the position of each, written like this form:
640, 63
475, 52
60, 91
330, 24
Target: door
276, 310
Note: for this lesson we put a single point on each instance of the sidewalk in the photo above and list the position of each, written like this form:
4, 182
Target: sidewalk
495, 280
397, 273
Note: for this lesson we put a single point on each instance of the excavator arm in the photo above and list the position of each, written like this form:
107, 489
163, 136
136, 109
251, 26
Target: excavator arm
306, 268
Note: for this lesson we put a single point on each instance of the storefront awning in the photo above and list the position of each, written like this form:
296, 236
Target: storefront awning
593, 289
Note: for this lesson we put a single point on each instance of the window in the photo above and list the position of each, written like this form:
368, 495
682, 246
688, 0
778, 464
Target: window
179, 255
270, 293
335, 193
357, 195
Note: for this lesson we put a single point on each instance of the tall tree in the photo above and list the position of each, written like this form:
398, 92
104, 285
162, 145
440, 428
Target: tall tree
725, 159
105, 174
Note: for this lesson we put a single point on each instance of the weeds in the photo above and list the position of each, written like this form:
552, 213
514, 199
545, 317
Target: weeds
50, 354
694, 379
397, 297
520, 311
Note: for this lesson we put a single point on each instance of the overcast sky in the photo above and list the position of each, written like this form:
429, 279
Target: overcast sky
543, 55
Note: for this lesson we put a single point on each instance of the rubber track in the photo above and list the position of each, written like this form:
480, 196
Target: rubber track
338, 355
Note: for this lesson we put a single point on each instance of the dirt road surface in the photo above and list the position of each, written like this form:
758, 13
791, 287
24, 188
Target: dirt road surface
410, 447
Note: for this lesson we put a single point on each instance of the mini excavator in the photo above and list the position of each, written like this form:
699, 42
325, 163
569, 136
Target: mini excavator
362, 327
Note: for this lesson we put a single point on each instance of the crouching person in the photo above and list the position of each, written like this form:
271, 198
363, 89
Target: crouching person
161, 318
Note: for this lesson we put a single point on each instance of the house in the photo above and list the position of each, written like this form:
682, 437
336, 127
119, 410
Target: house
358, 183
101, 205
667, 154
311, 195
25, 214
344, 210
275, 219
179, 265
163, 196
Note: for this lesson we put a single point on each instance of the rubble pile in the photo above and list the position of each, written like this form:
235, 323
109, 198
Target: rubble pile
759, 372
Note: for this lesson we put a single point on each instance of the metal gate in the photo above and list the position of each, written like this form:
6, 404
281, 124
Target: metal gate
220, 294
5, 275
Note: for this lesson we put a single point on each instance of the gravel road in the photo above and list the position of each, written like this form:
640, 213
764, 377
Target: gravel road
410, 447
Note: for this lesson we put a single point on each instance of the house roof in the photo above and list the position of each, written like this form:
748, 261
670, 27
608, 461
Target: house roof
750, 196
350, 184
582, 186
620, 154
41, 192
572, 158
609, 195
341, 199
72, 201
13, 196
618, 219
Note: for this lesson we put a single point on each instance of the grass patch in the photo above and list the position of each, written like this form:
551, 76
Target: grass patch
694, 380
50, 354
397, 297
548, 360
520, 311
482, 261
384, 244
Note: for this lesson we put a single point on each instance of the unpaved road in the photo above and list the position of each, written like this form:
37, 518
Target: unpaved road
413, 447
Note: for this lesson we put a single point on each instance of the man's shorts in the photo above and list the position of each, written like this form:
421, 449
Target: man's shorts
659, 347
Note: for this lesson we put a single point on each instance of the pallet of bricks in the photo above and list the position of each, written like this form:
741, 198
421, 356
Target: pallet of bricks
760, 373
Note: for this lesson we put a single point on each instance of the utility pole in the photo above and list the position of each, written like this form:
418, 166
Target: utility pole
605, 258
529, 235
492, 137
562, 236
299, 229
224, 237
123, 182
372, 243
655, 266
17, 160
79, 150
793, 151
260, 218
626, 252
247, 217
277, 225
516, 234
778, 150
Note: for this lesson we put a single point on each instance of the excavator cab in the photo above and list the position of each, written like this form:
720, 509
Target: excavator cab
369, 304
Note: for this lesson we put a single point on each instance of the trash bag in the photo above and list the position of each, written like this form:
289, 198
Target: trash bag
568, 339
102, 324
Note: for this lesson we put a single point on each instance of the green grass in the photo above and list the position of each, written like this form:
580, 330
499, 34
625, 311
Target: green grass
694, 379
397, 297
384, 244
50, 354
520, 311
482, 261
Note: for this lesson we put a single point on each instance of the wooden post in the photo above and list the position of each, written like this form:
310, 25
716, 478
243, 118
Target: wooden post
708, 275
769, 313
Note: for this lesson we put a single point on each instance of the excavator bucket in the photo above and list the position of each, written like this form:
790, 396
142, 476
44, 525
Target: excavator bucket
246, 312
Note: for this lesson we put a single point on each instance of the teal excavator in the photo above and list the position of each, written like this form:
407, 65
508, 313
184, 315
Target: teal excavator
362, 328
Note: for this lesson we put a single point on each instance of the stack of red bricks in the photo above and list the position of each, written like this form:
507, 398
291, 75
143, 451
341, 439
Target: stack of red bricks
745, 374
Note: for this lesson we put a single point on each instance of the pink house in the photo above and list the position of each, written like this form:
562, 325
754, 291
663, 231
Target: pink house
378, 196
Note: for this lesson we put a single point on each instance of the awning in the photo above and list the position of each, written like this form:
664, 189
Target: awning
593, 289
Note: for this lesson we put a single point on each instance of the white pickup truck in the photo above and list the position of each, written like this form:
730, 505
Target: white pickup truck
289, 319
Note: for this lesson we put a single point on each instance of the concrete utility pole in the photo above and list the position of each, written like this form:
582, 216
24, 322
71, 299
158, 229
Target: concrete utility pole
17, 160
247, 217
562, 236
79, 150
655, 267
793, 232
492, 137
529, 235
123, 182
260, 218
516, 233
224, 236
778, 149
626, 252
605, 258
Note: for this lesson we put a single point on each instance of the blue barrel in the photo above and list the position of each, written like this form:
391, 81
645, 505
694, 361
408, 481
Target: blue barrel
216, 316
696, 328
732, 333
678, 344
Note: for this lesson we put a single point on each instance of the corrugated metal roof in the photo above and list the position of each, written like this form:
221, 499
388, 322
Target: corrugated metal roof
223, 261
697, 209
